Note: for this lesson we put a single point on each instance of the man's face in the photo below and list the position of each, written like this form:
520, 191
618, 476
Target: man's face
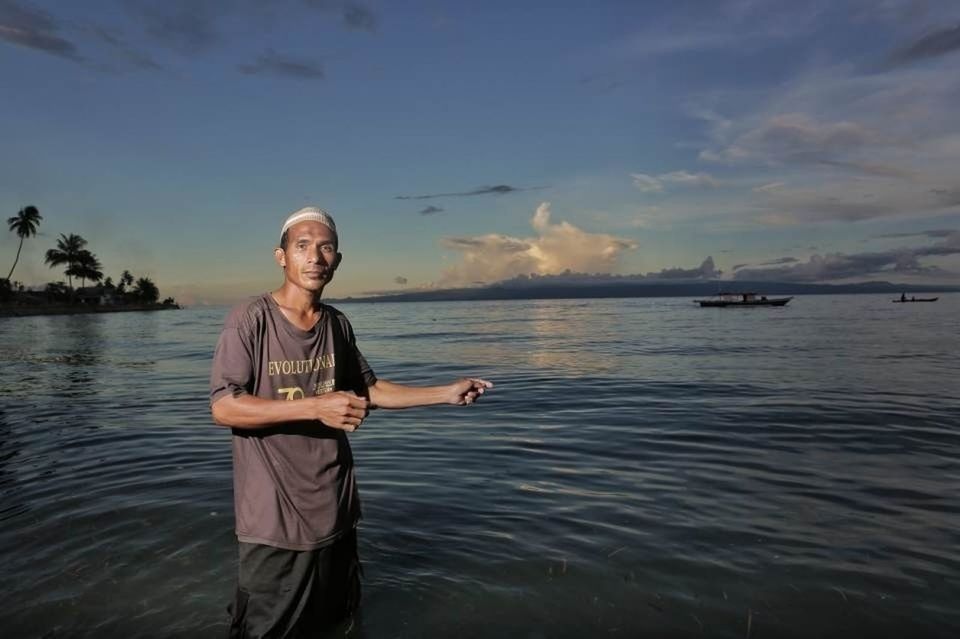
311, 255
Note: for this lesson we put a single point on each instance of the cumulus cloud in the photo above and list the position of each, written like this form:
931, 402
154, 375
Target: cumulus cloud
557, 247
401, 280
655, 184
275, 64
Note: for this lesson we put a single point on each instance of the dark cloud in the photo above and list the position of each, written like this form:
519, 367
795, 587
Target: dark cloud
121, 51
186, 26
706, 270
399, 279
838, 266
947, 197
931, 45
430, 210
499, 189
355, 15
34, 29
273, 63
777, 262
931, 233
502, 243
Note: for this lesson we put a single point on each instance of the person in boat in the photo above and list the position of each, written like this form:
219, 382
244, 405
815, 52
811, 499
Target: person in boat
289, 380
903, 297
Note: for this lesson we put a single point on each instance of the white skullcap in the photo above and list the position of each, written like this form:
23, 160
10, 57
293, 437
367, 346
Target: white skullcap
313, 213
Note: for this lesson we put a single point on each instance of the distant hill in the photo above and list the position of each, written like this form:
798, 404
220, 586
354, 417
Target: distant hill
543, 288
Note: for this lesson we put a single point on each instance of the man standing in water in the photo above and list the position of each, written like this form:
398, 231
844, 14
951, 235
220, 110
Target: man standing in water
295, 496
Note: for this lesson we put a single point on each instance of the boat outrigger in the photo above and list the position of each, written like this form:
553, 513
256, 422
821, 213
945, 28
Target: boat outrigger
723, 300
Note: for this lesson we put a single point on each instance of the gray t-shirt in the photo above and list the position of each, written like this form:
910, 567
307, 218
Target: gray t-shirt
293, 484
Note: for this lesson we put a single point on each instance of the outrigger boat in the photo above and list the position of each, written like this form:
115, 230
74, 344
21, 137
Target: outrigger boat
723, 300
904, 299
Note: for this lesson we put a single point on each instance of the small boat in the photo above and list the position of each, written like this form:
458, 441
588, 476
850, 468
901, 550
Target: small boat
904, 300
722, 300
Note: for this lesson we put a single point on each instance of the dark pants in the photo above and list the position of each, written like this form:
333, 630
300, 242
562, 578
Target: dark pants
287, 594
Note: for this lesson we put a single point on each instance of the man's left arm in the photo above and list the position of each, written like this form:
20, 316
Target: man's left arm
385, 394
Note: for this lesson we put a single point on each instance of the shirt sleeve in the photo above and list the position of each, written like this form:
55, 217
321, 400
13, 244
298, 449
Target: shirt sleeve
232, 370
362, 376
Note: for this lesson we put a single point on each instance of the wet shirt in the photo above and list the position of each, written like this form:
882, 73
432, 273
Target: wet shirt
293, 483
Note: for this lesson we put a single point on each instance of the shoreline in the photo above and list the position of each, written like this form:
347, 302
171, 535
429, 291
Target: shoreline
65, 309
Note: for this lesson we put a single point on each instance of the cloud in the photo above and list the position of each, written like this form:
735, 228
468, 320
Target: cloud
706, 270
355, 15
650, 184
776, 262
839, 266
187, 26
854, 201
34, 29
430, 210
646, 183
121, 51
766, 188
556, 248
499, 189
401, 280
931, 45
273, 63
793, 138
868, 168
931, 233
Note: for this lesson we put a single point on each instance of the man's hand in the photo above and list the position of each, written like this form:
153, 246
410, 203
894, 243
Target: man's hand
467, 391
341, 409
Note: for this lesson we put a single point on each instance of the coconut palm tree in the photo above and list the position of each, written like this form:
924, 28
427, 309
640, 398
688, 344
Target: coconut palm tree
88, 267
67, 252
24, 224
146, 290
126, 280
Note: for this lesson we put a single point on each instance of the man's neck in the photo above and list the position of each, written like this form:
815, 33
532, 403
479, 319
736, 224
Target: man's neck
301, 307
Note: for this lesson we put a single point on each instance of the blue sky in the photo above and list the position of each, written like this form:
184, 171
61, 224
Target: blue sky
458, 143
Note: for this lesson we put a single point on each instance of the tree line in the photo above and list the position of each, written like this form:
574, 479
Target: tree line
71, 252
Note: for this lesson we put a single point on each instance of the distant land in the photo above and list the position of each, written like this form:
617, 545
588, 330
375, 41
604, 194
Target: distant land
571, 288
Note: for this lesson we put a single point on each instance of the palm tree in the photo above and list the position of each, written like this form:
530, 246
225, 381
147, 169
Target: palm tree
146, 290
88, 267
67, 252
24, 224
126, 279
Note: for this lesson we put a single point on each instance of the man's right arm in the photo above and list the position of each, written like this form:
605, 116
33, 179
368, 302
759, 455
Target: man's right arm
339, 409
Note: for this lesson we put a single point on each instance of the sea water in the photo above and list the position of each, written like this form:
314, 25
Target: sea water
643, 467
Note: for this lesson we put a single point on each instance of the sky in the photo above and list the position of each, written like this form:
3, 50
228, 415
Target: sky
462, 143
